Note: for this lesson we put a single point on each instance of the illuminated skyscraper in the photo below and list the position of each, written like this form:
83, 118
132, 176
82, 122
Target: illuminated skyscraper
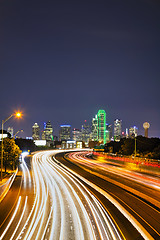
94, 129
65, 133
117, 130
86, 132
35, 132
108, 132
47, 133
102, 126
76, 135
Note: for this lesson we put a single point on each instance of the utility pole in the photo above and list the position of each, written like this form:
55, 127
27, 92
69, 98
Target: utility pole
135, 147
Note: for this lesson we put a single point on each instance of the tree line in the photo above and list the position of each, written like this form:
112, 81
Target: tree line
145, 147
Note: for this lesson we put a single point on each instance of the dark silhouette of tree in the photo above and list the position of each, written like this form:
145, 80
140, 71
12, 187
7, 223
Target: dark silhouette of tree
26, 144
145, 147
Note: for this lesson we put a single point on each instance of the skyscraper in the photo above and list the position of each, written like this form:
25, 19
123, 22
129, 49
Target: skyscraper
65, 132
76, 135
108, 132
117, 130
47, 133
102, 126
86, 131
35, 132
94, 129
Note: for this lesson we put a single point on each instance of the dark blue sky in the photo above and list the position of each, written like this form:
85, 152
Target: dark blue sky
63, 60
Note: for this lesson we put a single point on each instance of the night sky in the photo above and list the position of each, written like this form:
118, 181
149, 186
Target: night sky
64, 60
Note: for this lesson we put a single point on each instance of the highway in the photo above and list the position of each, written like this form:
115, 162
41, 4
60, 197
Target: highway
53, 204
134, 194
77, 197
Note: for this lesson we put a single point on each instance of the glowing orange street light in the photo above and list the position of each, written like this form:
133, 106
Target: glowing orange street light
18, 115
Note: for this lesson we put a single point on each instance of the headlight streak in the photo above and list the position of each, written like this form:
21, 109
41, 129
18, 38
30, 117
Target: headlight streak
117, 172
24, 170
88, 221
24, 208
93, 210
49, 175
133, 221
31, 212
25, 165
148, 180
56, 189
39, 205
101, 208
7, 185
12, 218
78, 226
59, 197
24, 174
26, 223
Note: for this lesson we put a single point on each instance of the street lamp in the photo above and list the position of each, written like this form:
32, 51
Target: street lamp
14, 136
17, 115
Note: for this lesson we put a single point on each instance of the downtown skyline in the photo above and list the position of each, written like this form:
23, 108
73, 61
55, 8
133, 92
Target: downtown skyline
56, 128
64, 61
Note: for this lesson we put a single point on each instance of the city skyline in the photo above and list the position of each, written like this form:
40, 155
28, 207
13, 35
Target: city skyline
56, 129
64, 61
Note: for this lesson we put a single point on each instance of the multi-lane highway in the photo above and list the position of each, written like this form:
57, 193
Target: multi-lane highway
135, 195
77, 197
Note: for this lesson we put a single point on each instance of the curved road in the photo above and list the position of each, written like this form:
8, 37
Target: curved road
77, 197
136, 195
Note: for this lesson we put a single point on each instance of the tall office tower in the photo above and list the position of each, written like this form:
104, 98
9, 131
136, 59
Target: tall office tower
94, 129
86, 132
47, 133
76, 135
108, 132
117, 130
35, 132
133, 131
10, 130
65, 132
102, 126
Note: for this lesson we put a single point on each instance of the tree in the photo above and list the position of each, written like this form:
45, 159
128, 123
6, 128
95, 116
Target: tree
11, 153
26, 144
127, 147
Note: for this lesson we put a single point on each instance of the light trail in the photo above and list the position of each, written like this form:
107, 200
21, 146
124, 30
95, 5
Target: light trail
20, 207
7, 185
11, 220
83, 160
26, 170
146, 180
63, 207
24, 208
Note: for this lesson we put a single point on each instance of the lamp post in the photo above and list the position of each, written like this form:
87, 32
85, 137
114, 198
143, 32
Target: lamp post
135, 147
18, 115
14, 136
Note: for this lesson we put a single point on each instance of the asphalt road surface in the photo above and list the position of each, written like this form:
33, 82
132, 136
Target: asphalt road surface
77, 197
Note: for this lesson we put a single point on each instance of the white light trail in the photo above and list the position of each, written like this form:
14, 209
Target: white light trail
12, 218
24, 208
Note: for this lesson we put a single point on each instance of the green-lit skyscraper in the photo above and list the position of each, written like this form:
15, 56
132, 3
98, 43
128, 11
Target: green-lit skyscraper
102, 126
